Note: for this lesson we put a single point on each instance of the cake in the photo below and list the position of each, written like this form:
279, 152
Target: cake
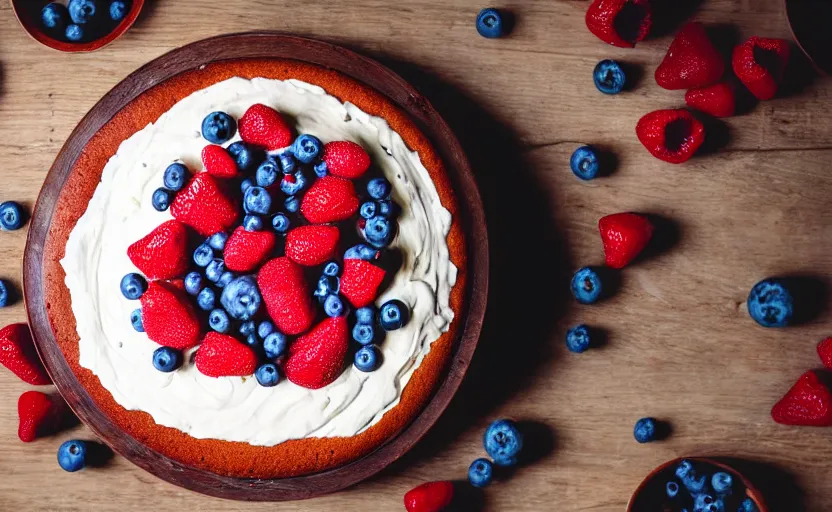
231, 425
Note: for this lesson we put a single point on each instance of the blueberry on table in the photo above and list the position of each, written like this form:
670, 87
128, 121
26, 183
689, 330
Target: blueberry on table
74, 33
393, 315
206, 299
4, 294
363, 333
584, 163
578, 339
175, 176
218, 127
82, 11
586, 286
241, 298
266, 174
161, 199
609, 77
267, 375
771, 304
136, 320
118, 10
378, 188
257, 200
11, 216
275, 344
218, 320
280, 223
645, 430
54, 16
306, 148
166, 359
367, 358
503, 442
72, 455
133, 286
480, 472
333, 306
490, 23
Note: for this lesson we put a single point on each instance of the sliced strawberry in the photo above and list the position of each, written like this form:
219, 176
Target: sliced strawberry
718, 100
218, 162
312, 245
205, 205
624, 236
760, 63
286, 295
671, 135
691, 61
162, 254
346, 159
18, 354
825, 352
40, 415
429, 497
169, 316
263, 126
808, 403
620, 22
246, 250
317, 358
360, 282
221, 355
330, 199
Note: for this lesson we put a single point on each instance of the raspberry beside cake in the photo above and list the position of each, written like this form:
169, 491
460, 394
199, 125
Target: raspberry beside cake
231, 424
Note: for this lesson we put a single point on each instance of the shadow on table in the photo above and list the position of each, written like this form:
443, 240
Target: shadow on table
779, 487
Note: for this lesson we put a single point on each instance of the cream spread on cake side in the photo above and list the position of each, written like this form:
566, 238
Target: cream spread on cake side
235, 408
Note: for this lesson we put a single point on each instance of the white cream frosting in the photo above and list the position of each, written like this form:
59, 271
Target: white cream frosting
235, 408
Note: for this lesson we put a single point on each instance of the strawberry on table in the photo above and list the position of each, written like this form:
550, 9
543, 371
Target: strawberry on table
263, 126
169, 316
218, 162
287, 295
718, 100
18, 354
245, 250
312, 245
671, 135
163, 253
691, 61
205, 205
317, 358
429, 497
760, 63
620, 22
40, 415
329, 199
624, 236
360, 282
221, 355
345, 159
807, 403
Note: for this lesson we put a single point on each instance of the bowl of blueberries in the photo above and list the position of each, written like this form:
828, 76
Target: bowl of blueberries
76, 25
696, 484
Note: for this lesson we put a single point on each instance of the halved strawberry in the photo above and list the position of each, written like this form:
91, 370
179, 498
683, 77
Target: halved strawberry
312, 245
245, 250
40, 415
360, 282
624, 236
286, 295
760, 63
317, 358
263, 126
218, 162
221, 355
163, 253
808, 403
18, 354
169, 316
205, 205
691, 61
429, 497
620, 22
718, 100
345, 159
329, 199
671, 135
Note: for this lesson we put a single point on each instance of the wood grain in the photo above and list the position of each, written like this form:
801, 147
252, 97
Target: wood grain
680, 345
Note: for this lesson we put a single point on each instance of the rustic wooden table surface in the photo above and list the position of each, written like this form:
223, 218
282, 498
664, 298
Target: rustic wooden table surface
680, 345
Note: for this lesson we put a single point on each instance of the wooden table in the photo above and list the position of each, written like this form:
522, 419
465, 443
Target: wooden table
679, 346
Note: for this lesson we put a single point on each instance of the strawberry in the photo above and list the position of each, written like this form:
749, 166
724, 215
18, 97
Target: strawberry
360, 282
671, 135
825, 352
808, 403
218, 162
312, 245
330, 199
759, 63
169, 316
205, 205
245, 250
346, 159
718, 100
263, 126
40, 415
162, 254
624, 236
221, 355
286, 295
317, 358
18, 354
620, 22
691, 61
429, 497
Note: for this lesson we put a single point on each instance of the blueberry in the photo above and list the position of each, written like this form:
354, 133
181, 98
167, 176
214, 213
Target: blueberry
54, 16
136, 320
245, 185
245, 156
248, 327
306, 148
367, 358
386, 207
82, 11
490, 23
684, 469
609, 77
771, 304
586, 286
363, 333
166, 359
393, 315
175, 176
721, 482
333, 306
320, 169
252, 223
332, 269
118, 10
4, 294
578, 339
267, 172
286, 162
257, 200
225, 278
671, 489
327, 285
291, 184
707, 503
193, 282
133, 286
203, 255
11, 216
480, 472
267, 375
645, 430
253, 342
378, 231
292, 204
368, 210
361, 252
214, 270
694, 484
280, 223
218, 320
217, 241
72, 455
378, 188
748, 505
503, 442
74, 32
218, 127
584, 163
241, 298
161, 199
206, 299
264, 329
365, 315
275, 344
